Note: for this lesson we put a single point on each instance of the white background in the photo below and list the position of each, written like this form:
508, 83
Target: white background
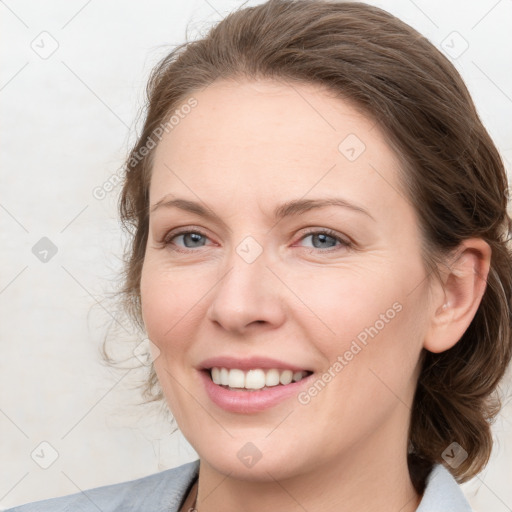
67, 123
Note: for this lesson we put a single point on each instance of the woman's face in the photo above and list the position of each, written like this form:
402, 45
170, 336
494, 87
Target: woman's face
261, 272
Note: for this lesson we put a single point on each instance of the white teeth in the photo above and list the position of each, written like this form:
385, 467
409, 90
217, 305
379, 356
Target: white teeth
272, 378
297, 376
224, 377
254, 379
286, 377
236, 378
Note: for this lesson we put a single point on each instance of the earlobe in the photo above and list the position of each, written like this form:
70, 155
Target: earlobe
462, 289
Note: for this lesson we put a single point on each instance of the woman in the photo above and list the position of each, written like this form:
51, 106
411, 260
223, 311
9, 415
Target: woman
320, 260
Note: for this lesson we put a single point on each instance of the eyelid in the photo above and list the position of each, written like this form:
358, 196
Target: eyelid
327, 231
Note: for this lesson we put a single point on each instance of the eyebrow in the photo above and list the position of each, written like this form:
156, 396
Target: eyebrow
287, 209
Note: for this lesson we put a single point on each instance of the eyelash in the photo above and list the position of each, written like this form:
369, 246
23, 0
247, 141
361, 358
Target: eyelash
167, 240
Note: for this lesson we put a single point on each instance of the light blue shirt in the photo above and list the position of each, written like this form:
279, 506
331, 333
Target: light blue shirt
165, 492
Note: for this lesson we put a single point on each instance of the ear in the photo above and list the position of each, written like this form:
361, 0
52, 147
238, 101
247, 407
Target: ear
459, 294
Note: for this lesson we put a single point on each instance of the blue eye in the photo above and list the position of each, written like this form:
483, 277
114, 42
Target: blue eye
325, 236
193, 237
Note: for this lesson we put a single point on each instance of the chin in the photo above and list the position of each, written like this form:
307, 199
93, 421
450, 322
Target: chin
245, 461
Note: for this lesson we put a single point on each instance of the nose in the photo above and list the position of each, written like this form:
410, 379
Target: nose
248, 296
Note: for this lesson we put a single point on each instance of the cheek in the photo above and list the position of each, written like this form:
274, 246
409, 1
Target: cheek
370, 362
165, 303
368, 316
344, 301
173, 305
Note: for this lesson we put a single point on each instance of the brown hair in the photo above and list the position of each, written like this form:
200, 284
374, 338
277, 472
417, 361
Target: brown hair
451, 170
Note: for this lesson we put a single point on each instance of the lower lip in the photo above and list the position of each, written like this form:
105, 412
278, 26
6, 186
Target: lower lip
249, 401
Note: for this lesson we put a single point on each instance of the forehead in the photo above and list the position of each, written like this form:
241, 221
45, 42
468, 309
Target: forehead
262, 139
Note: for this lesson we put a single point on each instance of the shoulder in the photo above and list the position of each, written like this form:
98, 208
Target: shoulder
442, 492
158, 492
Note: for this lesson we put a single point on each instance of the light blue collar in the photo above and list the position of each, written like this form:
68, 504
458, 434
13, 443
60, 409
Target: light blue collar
165, 491
442, 492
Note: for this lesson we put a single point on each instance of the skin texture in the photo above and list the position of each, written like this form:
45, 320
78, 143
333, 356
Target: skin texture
245, 149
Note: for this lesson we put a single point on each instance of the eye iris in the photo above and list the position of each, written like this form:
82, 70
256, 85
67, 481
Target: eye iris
196, 237
323, 237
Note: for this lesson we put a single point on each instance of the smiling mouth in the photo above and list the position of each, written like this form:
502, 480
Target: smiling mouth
255, 379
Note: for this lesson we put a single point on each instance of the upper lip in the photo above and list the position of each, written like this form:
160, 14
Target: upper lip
248, 363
